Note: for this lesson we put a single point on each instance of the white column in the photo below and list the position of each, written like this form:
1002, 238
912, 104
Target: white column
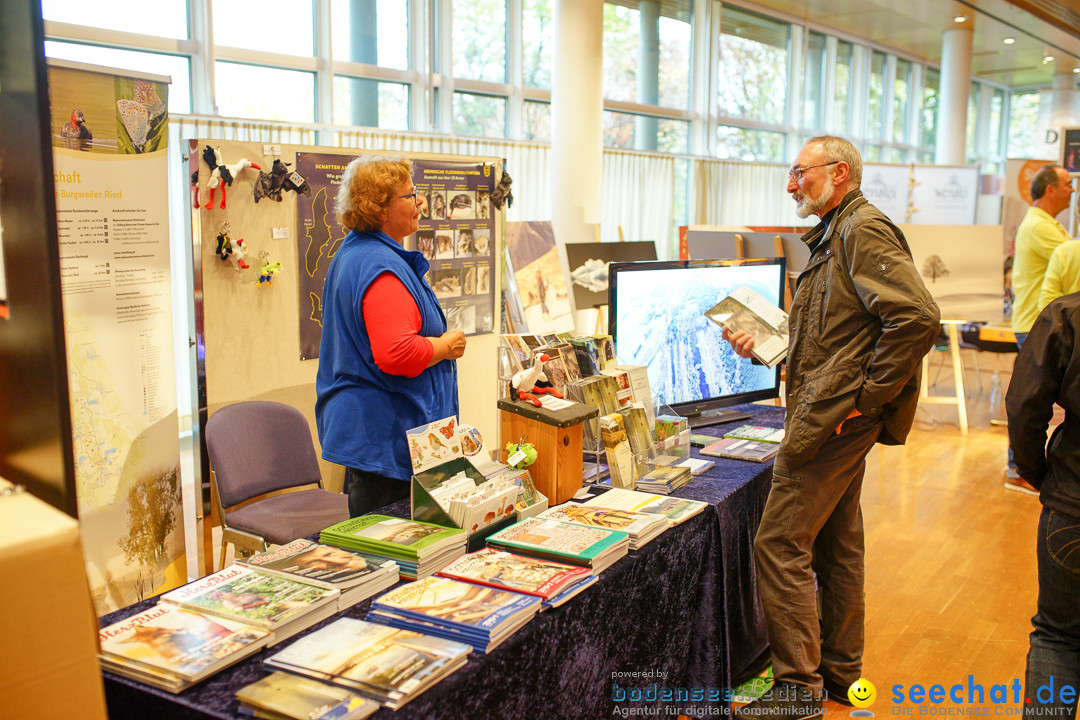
577, 105
954, 90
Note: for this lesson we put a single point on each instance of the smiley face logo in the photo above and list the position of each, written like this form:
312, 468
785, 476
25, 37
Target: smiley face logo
862, 693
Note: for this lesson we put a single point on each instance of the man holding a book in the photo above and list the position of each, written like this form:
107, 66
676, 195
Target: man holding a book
860, 323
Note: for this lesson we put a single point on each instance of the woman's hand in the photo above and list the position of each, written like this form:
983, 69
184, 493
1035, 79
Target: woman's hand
455, 343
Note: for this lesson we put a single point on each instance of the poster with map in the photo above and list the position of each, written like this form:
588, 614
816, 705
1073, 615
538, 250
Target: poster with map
110, 159
456, 235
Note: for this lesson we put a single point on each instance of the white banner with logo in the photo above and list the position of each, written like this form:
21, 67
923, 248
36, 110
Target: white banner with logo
944, 195
886, 187
110, 135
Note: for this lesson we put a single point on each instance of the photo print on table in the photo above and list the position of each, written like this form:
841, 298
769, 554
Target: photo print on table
446, 282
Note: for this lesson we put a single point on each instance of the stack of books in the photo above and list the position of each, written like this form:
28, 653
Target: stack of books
388, 665
282, 696
355, 576
665, 479
641, 527
420, 549
172, 649
476, 615
278, 604
674, 510
736, 449
591, 547
554, 583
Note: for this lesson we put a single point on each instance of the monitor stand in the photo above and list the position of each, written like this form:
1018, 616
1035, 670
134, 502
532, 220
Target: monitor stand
714, 417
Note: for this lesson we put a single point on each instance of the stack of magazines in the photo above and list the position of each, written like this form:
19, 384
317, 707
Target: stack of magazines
172, 649
554, 583
591, 547
477, 615
389, 665
419, 549
283, 696
278, 604
675, 510
737, 449
665, 479
641, 527
355, 576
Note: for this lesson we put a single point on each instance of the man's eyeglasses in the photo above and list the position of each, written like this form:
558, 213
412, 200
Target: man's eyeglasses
797, 173
410, 196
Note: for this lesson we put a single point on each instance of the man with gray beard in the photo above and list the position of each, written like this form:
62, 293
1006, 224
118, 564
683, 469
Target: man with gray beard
860, 323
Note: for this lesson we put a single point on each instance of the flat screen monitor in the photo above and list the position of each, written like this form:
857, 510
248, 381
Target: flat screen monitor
656, 314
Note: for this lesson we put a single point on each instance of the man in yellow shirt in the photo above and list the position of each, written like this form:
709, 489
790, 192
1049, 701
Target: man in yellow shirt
1062, 273
1038, 236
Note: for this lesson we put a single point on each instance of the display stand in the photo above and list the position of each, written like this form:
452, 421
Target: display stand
557, 437
958, 377
424, 508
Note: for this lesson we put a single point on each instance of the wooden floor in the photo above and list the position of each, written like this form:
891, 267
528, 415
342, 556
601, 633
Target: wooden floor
950, 563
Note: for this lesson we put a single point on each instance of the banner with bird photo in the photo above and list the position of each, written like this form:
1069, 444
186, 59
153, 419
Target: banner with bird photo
457, 235
109, 137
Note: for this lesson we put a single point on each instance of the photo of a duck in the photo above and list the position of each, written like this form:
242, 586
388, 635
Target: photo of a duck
77, 127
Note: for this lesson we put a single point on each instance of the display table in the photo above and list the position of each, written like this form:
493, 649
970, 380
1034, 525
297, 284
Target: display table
682, 611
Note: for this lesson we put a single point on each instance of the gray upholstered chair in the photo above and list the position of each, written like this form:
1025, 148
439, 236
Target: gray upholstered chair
265, 477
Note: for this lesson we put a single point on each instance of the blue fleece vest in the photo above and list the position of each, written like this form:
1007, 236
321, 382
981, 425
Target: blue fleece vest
361, 412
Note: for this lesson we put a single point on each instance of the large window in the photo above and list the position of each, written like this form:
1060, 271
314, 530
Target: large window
752, 77
163, 18
875, 114
285, 27
928, 114
841, 96
243, 91
479, 115
366, 102
901, 103
735, 143
537, 40
814, 82
1023, 121
375, 32
479, 42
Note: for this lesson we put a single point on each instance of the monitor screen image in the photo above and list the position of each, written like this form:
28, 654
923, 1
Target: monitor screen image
657, 319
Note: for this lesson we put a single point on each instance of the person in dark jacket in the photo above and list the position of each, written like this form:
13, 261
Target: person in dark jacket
1047, 371
860, 323
386, 359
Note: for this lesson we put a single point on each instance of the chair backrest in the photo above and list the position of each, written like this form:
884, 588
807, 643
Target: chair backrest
258, 447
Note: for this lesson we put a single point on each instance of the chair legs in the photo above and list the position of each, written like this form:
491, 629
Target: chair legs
221, 563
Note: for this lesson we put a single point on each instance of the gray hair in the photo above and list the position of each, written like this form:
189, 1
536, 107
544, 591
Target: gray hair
837, 148
1044, 178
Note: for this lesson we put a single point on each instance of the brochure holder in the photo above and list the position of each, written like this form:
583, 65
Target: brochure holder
424, 508
557, 437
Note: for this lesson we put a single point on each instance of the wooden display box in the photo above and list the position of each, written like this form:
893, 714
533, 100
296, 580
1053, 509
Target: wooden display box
426, 509
557, 437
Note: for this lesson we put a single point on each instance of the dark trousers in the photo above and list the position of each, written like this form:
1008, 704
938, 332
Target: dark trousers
370, 491
1053, 662
812, 526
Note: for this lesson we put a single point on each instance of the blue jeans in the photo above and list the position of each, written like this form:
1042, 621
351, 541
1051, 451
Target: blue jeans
1053, 662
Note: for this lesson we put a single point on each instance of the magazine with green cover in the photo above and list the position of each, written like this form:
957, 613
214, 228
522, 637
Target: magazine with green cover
562, 541
756, 432
253, 597
392, 537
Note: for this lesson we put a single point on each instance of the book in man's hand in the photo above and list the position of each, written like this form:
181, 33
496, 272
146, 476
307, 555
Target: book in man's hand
746, 310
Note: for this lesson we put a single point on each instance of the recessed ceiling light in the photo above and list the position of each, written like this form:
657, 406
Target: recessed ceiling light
1048, 59
959, 18
1009, 41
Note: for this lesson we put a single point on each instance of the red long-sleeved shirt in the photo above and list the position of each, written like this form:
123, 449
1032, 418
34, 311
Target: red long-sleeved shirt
393, 325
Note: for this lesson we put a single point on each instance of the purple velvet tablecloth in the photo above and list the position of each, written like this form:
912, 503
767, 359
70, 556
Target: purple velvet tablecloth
682, 613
